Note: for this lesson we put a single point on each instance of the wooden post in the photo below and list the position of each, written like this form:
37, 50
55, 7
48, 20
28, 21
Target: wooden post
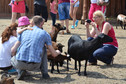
84, 13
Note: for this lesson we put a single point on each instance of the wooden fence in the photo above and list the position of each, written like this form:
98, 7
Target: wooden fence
113, 9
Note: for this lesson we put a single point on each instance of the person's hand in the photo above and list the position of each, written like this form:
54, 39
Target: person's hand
93, 24
101, 1
58, 52
87, 24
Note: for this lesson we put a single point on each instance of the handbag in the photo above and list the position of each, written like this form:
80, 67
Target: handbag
103, 2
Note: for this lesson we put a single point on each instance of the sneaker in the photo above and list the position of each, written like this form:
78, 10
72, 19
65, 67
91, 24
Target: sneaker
72, 27
76, 23
12, 71
21, 75
46, 76
111, 63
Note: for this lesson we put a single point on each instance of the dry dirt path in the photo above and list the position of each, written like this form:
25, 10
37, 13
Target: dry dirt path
101, 74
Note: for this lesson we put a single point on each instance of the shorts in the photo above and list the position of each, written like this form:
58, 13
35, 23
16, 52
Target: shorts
63, 10
76, 5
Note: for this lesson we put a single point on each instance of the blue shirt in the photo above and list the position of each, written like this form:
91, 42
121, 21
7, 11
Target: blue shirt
32, 43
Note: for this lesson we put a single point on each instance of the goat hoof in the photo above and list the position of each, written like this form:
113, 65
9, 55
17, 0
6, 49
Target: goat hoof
76, 69
85, 74
58, 71
79, 74
51, 71
67, 69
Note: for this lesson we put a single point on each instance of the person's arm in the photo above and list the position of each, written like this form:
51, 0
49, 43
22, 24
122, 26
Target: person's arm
55, 7
106, 28
95, 28
21, 30
14, 48
88, 32
53, 52
46, 1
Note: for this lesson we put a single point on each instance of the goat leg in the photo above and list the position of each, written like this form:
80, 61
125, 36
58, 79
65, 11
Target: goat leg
79, 68
124, 26
52, 62
67, 65
85, 68
57, 67
76, 65
121, 24
117, 24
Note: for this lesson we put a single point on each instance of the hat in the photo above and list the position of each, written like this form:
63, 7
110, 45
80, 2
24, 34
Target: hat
22, 21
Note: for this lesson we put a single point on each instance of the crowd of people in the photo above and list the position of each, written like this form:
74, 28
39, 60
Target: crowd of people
22, 45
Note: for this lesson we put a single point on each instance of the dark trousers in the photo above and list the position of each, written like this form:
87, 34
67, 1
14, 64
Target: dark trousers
53, 16
104, 53
41, 10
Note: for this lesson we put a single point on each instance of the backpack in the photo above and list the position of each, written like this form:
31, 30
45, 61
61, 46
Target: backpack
105, 2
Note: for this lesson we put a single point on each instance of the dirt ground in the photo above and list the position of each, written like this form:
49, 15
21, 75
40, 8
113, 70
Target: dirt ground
100, 74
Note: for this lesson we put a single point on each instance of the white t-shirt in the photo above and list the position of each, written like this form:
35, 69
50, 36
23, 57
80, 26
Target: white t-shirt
5, 51
93, 1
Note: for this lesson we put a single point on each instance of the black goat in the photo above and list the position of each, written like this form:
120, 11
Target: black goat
79, 49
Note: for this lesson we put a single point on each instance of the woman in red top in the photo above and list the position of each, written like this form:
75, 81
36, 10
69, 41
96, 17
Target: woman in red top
18, 6
106, 52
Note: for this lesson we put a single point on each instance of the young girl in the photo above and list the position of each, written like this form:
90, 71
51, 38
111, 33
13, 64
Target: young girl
23, 23
7, 40
74, 4
53, 13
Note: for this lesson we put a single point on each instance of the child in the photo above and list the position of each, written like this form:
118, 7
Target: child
23, 23
74, 4
53, 12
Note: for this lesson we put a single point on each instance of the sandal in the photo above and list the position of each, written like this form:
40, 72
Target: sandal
68, 32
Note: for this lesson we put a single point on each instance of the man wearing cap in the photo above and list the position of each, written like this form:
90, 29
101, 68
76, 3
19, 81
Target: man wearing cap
31, 53
40, 8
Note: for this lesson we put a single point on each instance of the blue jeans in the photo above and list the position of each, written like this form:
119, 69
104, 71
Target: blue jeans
63, 10
104, 53
53, 16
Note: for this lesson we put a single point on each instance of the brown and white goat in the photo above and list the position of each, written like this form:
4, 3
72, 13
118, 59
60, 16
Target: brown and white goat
58, 27
121, 19
57, 60
6, 79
